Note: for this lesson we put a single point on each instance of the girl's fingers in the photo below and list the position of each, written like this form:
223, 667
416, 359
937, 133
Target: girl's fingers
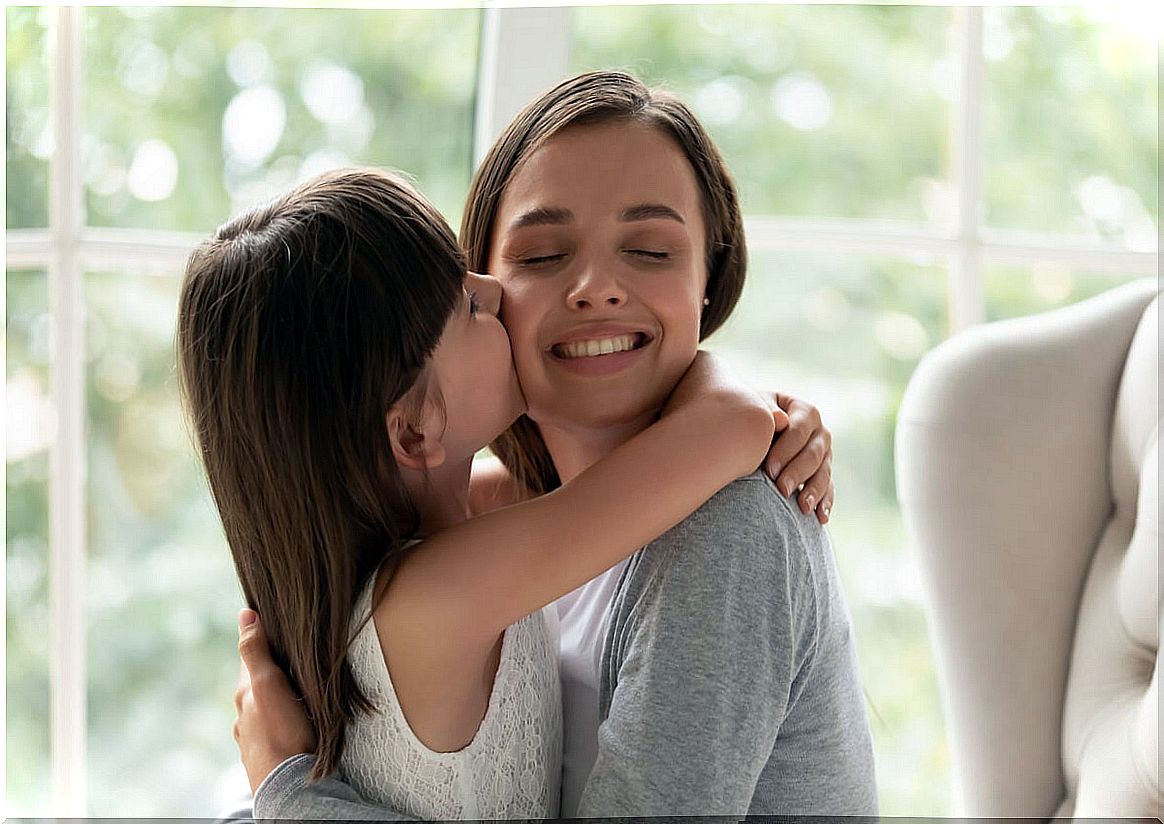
803, 465
816, 488
784, 451
824, 509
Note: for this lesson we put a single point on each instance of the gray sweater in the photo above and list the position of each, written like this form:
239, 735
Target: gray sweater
729, 681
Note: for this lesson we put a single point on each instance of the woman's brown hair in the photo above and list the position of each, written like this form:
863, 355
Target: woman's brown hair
299, 324
588, 99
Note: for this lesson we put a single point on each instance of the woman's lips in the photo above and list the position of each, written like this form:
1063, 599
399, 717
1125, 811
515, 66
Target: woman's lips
596, 353
598, 346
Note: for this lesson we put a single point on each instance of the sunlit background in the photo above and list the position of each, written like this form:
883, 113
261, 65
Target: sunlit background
823, 112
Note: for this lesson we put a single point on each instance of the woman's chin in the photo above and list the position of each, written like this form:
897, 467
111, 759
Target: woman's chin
597, 412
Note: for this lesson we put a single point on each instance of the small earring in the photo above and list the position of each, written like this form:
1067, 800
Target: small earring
706, 302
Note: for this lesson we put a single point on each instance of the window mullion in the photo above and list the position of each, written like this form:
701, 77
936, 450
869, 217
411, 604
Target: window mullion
524, 51
67, 456
967, 301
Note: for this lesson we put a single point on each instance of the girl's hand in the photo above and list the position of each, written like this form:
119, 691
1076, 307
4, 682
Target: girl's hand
802, 454
753, 417
708, 377
271, 725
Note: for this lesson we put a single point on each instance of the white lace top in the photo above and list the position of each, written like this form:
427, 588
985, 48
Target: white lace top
511, 768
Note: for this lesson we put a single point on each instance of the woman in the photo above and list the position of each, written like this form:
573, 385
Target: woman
714, 672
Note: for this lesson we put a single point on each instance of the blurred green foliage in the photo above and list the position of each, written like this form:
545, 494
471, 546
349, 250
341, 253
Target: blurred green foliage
1070, 133
26, 117
822, 111
1013, 291
26, 514
162, 593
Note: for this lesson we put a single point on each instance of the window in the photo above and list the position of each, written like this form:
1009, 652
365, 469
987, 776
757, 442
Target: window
905, 171
181, 115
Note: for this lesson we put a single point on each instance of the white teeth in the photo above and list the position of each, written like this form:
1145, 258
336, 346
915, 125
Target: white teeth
591, 348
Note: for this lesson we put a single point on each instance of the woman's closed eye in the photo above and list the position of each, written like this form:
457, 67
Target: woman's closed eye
474, 304
541, 260
649, 254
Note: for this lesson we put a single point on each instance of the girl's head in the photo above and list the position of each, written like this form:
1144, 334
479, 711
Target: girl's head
581, 128
325, 343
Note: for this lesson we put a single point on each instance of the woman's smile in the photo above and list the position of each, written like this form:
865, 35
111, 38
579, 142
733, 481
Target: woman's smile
600, 248
597, 350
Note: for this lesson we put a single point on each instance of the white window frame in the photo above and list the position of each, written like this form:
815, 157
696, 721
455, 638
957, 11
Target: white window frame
524, 50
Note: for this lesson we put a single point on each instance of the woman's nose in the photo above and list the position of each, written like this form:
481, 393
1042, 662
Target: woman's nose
595, 288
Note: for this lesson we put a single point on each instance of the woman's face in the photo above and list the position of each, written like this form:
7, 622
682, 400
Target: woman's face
599, 245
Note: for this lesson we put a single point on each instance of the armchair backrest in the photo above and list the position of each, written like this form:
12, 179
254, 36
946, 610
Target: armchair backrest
1021, 452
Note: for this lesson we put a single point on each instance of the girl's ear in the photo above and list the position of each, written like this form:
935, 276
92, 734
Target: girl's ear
414, 446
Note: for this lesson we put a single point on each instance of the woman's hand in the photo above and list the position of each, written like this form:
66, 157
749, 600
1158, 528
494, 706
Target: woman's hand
271, 725
802, 454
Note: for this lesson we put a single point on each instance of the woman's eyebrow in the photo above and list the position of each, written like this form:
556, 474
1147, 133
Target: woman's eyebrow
649, 211
542, 216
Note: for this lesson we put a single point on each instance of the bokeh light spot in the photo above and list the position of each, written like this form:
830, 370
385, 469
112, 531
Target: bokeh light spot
253, 124
801, 101
153, 174
332, 93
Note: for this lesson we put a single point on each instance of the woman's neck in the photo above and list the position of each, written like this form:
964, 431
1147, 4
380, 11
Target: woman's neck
575, 448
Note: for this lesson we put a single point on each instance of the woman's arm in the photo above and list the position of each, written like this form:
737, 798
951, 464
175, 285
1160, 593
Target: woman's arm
475, 579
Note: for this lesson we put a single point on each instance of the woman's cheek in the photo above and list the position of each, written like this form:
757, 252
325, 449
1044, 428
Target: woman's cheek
521, 314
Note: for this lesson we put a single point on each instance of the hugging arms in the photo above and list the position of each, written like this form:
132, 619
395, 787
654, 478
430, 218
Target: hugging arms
727, 682
713, 672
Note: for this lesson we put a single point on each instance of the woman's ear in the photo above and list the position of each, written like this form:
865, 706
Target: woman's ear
414, 445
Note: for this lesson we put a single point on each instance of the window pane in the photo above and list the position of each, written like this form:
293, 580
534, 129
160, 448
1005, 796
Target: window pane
846, 333
29, 415
1013, 291
1070, 131
162, 591
193, 113
28, 141
838, 111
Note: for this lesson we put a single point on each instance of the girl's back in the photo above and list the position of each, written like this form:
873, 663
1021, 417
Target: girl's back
511, 768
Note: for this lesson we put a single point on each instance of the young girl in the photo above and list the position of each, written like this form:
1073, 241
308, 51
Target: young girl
341, 370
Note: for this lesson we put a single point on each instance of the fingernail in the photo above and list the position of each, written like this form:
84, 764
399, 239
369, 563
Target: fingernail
775, 468
786, 488
825, 510
246, 617
810, 499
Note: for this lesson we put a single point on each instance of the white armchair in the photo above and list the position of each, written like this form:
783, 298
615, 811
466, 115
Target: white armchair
1028, 472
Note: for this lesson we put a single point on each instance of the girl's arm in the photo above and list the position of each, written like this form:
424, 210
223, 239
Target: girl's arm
478, 577
799, 462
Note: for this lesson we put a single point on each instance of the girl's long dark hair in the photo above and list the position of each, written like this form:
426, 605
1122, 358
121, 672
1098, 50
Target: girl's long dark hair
593, 98
300, 323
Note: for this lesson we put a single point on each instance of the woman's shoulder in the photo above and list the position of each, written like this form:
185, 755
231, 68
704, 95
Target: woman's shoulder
747, 508
747, 555
746, 530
